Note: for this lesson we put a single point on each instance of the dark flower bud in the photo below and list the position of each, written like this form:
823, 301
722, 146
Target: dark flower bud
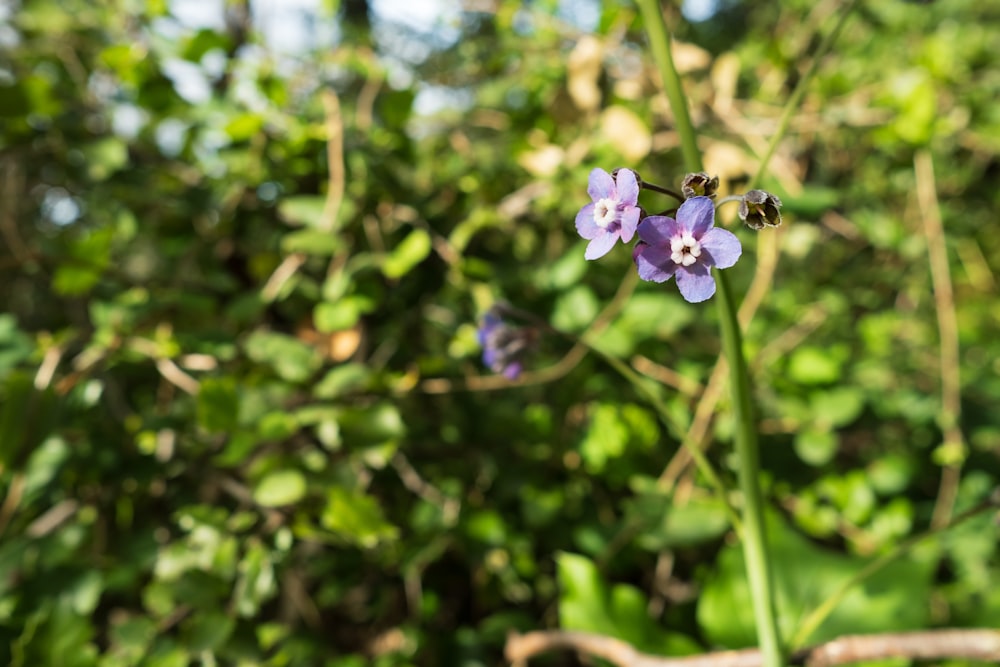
699, 185
759, 209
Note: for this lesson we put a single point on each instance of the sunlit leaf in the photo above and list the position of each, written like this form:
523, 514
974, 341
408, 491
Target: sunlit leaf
281, 487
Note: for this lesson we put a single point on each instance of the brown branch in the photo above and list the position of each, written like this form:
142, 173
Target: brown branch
335, 160
969, 644
944, 302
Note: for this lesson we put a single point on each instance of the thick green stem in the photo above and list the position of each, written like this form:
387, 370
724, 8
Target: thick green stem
748, 456
659, 43
754, 543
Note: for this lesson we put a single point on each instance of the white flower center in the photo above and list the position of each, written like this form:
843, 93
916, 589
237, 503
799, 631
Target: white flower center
684, 249
605, 212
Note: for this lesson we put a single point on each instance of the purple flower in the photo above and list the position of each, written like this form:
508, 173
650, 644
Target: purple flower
612, 215
504, 346
686, 247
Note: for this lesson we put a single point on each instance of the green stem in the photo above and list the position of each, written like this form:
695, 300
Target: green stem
758, 565
659, 43
754, 542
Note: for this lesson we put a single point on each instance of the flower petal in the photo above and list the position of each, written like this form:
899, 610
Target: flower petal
600, 246
654, 264
696, 283
513, 370
600, 184
585, 224
629, 221
697, 215
657, 230
722, 246
628, 187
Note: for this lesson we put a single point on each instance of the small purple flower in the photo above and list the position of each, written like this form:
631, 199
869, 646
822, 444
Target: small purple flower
686, 247
504, 346
612, 215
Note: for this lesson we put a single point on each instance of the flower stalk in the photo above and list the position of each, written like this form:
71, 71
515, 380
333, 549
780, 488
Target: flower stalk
754, 541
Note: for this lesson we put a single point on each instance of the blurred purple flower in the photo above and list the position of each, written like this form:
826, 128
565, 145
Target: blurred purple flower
686, 247
504, 346
612, 215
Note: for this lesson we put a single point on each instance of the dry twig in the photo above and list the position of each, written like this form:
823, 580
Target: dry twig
969, 644
944, 302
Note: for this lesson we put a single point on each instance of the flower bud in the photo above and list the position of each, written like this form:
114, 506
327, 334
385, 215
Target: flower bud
699, 185
759, 209
504, 346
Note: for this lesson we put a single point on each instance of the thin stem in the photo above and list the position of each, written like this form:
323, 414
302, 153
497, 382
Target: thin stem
818, 615
726, 200
949, 417
754, 541
662, 190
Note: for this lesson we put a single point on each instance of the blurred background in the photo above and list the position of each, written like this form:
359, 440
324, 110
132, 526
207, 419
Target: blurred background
244, 250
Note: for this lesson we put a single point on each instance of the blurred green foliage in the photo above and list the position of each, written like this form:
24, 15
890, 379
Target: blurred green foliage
243, 417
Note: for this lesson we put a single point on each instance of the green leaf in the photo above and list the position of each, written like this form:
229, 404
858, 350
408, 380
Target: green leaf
341, 380
813, 365
281, 487
239, 447
487, 526
202, 42
805, 575
356, 517
89, 256
256, 583
606, 438
915, 98
575, 309
340, 315
15, 346
105, 157
207, 630
565, 272
290, 358
245, 126
218, 405
14, 102
311, 242
838, 406
26, 417
395, 106
816, 446
649, 315
890, 474
304, 210
131, 637
277, 425
812, 202
372, 425
587, 604
672, 524
583, 598
411, 251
